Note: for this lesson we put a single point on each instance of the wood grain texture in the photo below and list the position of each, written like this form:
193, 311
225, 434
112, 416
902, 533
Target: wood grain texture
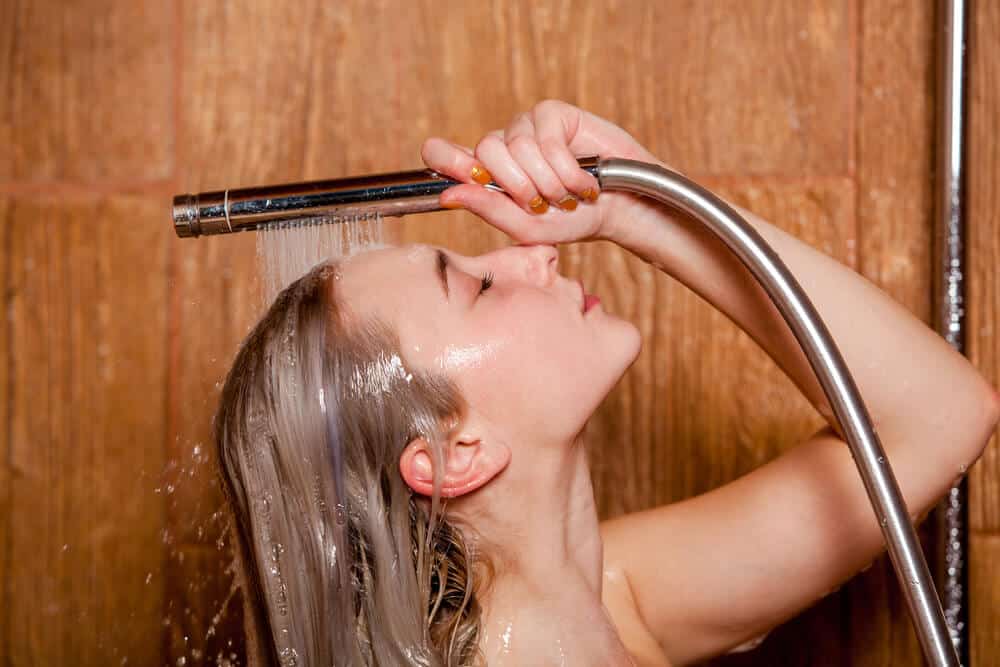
895, 151
722, 87
87, 91
87, 326
983, 170
984, 581
6, 382
983, 327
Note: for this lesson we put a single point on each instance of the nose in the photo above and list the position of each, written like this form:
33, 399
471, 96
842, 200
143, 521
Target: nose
540, 262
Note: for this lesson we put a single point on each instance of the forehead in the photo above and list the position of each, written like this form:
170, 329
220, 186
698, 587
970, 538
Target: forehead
392, 282
389, 256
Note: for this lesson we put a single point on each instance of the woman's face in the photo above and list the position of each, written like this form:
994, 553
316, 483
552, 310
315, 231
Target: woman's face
525, 355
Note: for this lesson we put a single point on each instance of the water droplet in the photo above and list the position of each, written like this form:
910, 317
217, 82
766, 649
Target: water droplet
289, 657
341, 514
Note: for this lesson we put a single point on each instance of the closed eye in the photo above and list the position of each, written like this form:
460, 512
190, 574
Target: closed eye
487, 282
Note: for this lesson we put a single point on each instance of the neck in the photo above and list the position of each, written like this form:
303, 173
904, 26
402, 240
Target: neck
544, 606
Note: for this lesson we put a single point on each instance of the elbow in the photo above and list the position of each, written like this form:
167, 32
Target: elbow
993, 405
990, 419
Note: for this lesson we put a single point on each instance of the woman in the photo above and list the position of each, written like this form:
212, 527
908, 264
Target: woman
379, 385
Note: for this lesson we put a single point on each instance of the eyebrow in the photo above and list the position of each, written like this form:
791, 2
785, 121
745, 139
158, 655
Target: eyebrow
442, 272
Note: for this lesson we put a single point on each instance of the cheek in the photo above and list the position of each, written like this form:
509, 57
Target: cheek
542, 352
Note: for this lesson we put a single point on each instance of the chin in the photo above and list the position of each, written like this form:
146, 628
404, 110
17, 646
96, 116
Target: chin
632, 343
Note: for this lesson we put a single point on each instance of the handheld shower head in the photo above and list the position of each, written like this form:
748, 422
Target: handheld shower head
392, 194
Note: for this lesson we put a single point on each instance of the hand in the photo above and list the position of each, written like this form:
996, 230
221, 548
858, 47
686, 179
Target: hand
549, 198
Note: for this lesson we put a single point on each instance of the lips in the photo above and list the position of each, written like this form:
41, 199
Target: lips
587, 301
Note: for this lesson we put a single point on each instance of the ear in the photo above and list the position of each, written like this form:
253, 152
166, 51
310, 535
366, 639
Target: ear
468, 464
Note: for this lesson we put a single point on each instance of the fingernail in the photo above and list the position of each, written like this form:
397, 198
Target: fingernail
538, 205
567, 203
480, 175
451, 204
590, 194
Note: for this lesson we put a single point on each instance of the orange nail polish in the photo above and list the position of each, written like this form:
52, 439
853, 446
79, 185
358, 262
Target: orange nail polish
568, 203
480, 175
538, 205
590, 194
451, 204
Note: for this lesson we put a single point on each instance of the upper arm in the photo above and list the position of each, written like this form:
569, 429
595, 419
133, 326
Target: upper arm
713, 571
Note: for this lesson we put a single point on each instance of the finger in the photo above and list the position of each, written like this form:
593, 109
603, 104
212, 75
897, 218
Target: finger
554, 130
493, 153
520, 138
453, 160
497, 209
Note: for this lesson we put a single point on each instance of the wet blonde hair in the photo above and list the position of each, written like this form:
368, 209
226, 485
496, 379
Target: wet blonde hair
345, 565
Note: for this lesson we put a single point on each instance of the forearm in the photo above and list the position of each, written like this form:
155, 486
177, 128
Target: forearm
911, 380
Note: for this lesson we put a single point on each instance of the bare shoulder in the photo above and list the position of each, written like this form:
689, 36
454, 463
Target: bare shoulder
619, 599
616, 594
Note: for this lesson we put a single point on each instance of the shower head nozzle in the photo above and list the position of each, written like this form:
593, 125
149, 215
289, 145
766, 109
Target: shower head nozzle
248, 209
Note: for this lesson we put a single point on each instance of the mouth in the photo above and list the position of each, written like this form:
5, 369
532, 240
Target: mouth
587, 301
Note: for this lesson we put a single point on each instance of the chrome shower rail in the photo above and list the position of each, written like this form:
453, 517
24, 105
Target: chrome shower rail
949, 290
417, 191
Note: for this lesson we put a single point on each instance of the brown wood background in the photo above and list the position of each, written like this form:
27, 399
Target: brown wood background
816, 114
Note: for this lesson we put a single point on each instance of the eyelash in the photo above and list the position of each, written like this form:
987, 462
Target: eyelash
487, 282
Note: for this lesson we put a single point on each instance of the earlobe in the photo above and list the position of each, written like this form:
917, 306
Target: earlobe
468, 466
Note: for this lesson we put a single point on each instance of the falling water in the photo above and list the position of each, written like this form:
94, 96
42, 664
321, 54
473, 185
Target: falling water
288, 250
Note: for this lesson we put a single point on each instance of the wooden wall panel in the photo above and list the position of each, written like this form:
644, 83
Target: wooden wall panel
87, 307
983, 327
87, 90
984, 247
6, 500
816, 115
984, 583
722, 87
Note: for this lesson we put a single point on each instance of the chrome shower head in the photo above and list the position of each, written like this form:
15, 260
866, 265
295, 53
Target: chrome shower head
247, 209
